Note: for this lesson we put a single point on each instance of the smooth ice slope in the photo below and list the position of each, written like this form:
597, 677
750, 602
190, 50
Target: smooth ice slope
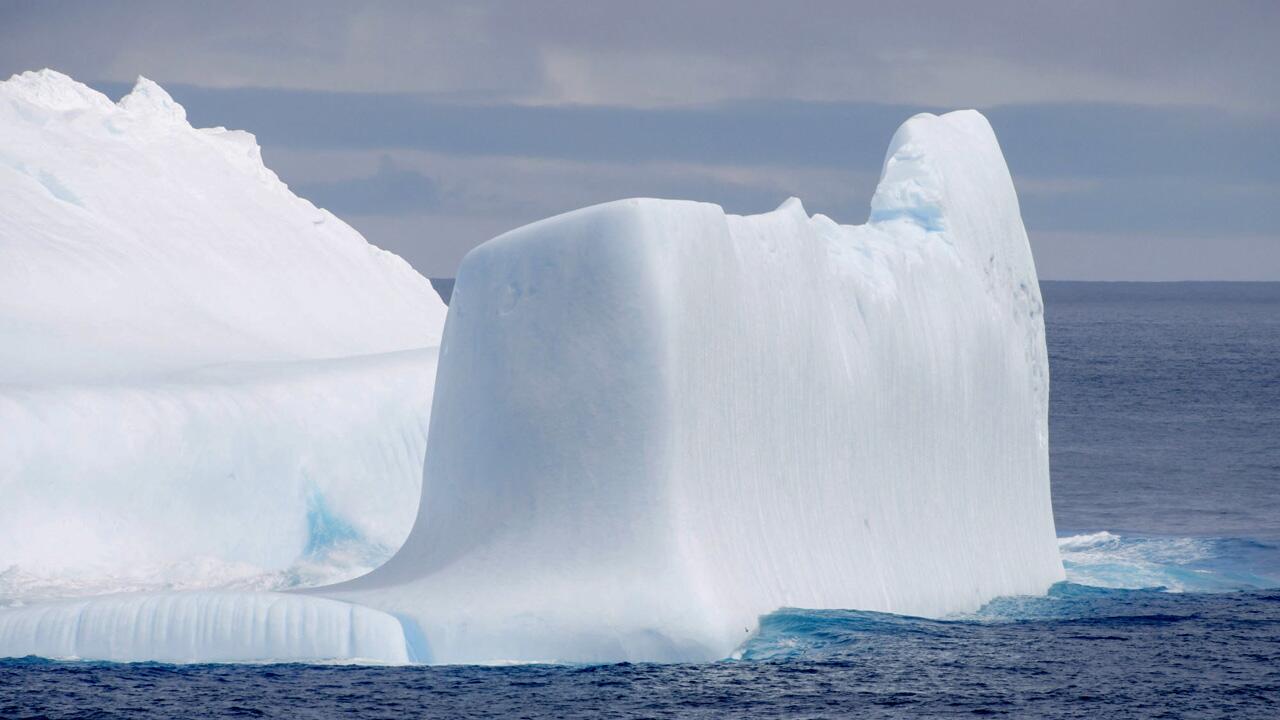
654, 422
132, 242
204, 379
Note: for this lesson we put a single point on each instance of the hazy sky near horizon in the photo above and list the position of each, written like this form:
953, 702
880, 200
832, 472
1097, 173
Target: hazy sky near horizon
1144, 137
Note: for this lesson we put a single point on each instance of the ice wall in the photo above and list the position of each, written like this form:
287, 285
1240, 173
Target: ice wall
204, 379
654, 422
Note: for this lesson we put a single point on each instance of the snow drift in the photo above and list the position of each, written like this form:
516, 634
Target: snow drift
204, 379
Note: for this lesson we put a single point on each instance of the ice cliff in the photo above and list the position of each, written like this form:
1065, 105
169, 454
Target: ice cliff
654, 422
204, 379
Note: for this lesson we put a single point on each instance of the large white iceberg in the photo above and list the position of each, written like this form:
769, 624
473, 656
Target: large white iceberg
654, 422
204, 379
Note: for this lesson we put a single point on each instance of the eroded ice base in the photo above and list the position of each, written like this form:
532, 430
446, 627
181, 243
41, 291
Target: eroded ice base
207, 626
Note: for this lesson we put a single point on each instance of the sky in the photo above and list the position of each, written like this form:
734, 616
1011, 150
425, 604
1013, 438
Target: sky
1144, 137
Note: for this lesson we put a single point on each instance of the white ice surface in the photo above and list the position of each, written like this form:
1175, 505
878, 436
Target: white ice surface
655, 422
204, 379
132, 243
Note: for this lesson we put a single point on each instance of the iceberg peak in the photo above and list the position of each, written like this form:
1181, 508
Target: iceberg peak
792, 205
53, 90
148, 98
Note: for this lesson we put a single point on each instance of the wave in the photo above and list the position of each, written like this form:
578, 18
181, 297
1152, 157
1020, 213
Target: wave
1069, 613
1117, 586
1177, 564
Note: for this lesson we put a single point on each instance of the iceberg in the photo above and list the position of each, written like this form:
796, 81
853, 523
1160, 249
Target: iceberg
654, 422
204, 379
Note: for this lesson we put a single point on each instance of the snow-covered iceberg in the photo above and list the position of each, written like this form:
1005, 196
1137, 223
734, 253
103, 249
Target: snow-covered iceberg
654, 422
204, 379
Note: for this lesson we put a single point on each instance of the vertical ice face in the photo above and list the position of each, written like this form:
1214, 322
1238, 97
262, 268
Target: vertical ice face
204, 379
654, 422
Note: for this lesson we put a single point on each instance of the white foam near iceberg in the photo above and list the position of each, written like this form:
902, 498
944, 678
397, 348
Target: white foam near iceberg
204, 379
654, 422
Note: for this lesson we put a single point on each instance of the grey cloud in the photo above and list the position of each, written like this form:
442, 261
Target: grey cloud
1172, 169
756, 132
441, 47
391, 190
1151, 257
1168, 206
1047, 140
675, 52
1126, 124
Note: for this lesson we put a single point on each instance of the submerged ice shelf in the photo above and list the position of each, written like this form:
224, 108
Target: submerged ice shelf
203, 626
654, 422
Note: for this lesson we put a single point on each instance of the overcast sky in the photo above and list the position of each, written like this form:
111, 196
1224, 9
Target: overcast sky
1144, 137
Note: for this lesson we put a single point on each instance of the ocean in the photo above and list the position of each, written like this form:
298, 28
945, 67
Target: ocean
1165, 457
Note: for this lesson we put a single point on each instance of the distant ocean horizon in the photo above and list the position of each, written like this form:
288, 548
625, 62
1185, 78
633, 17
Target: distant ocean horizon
1165, 471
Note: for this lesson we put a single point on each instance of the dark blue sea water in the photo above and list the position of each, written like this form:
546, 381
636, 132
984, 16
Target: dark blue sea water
1165, 431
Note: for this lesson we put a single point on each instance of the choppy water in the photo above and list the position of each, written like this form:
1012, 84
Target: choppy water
1165, 428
